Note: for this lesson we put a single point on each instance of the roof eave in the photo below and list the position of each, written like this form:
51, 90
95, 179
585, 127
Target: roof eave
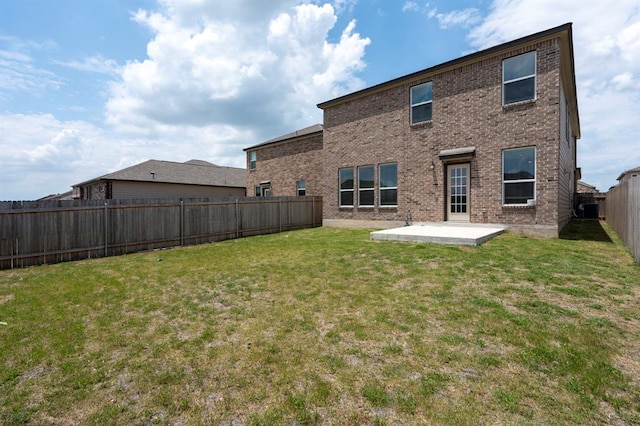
277, 141
455, 63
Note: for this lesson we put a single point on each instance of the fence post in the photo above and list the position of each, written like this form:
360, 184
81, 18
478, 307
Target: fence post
16, 252
280, 214
181, 222
106, 229
237, 219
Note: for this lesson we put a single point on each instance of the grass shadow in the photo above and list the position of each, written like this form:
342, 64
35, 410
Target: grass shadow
586, 230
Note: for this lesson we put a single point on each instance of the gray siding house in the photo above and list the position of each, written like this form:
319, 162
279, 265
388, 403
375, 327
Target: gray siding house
165, 179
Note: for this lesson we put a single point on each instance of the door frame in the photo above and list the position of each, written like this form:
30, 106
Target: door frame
463, 216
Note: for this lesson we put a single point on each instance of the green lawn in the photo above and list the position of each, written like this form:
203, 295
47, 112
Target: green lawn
324, 326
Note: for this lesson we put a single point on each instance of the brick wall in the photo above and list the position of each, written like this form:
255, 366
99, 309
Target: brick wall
95, 191
467, 111
285, 163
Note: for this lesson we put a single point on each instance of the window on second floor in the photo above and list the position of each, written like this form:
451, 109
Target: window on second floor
519, 78
253, 157
421, 103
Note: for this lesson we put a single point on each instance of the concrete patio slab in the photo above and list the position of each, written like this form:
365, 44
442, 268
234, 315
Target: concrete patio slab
441, 233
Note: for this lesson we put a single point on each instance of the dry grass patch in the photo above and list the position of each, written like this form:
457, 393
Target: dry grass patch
324, 326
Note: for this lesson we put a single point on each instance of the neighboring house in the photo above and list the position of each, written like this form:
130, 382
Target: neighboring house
486, 138
585, 188
289, 165
165, 179
629, 174
58, 197
589, 202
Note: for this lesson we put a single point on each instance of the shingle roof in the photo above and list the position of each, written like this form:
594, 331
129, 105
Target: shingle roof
316, 128
193, 172
585, 184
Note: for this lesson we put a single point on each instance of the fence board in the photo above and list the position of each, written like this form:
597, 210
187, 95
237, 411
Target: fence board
623, 213
35, 233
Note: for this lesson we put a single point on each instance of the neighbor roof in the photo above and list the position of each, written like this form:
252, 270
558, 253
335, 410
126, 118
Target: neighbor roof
192, 172
635, 170
586, 185
307, 131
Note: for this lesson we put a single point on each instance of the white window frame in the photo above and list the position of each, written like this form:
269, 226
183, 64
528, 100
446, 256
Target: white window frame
417, 104
253, 159
386, 188
520, 78
341, 191
372, 189
516, 181
301, 185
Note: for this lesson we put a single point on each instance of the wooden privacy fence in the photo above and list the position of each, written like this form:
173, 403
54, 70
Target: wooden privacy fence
35, 233
623, 213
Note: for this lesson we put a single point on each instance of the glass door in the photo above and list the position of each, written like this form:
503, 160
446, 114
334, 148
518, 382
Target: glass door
458, 192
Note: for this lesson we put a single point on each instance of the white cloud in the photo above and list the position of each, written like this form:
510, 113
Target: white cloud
47, 157
51, 155
218, 76
230, 67
628, 40
607, 58
463, 18
18, 70
625, 81
188, 13
410, 6
95, 64
342, 6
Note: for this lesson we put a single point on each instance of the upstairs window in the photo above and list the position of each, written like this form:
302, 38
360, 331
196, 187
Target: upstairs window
253, 157
518, 176
346, 186
301, 188
519, 78
365, 186
421, 103
388, 177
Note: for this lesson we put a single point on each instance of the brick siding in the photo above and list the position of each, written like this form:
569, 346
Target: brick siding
467, 111
285, 163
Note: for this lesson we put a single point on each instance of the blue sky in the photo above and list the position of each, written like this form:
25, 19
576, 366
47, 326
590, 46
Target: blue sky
90, 87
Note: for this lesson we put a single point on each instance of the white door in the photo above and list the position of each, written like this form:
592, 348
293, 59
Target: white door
458, 192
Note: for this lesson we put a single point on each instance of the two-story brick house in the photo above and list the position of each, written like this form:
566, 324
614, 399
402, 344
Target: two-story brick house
486, 138
289, 165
